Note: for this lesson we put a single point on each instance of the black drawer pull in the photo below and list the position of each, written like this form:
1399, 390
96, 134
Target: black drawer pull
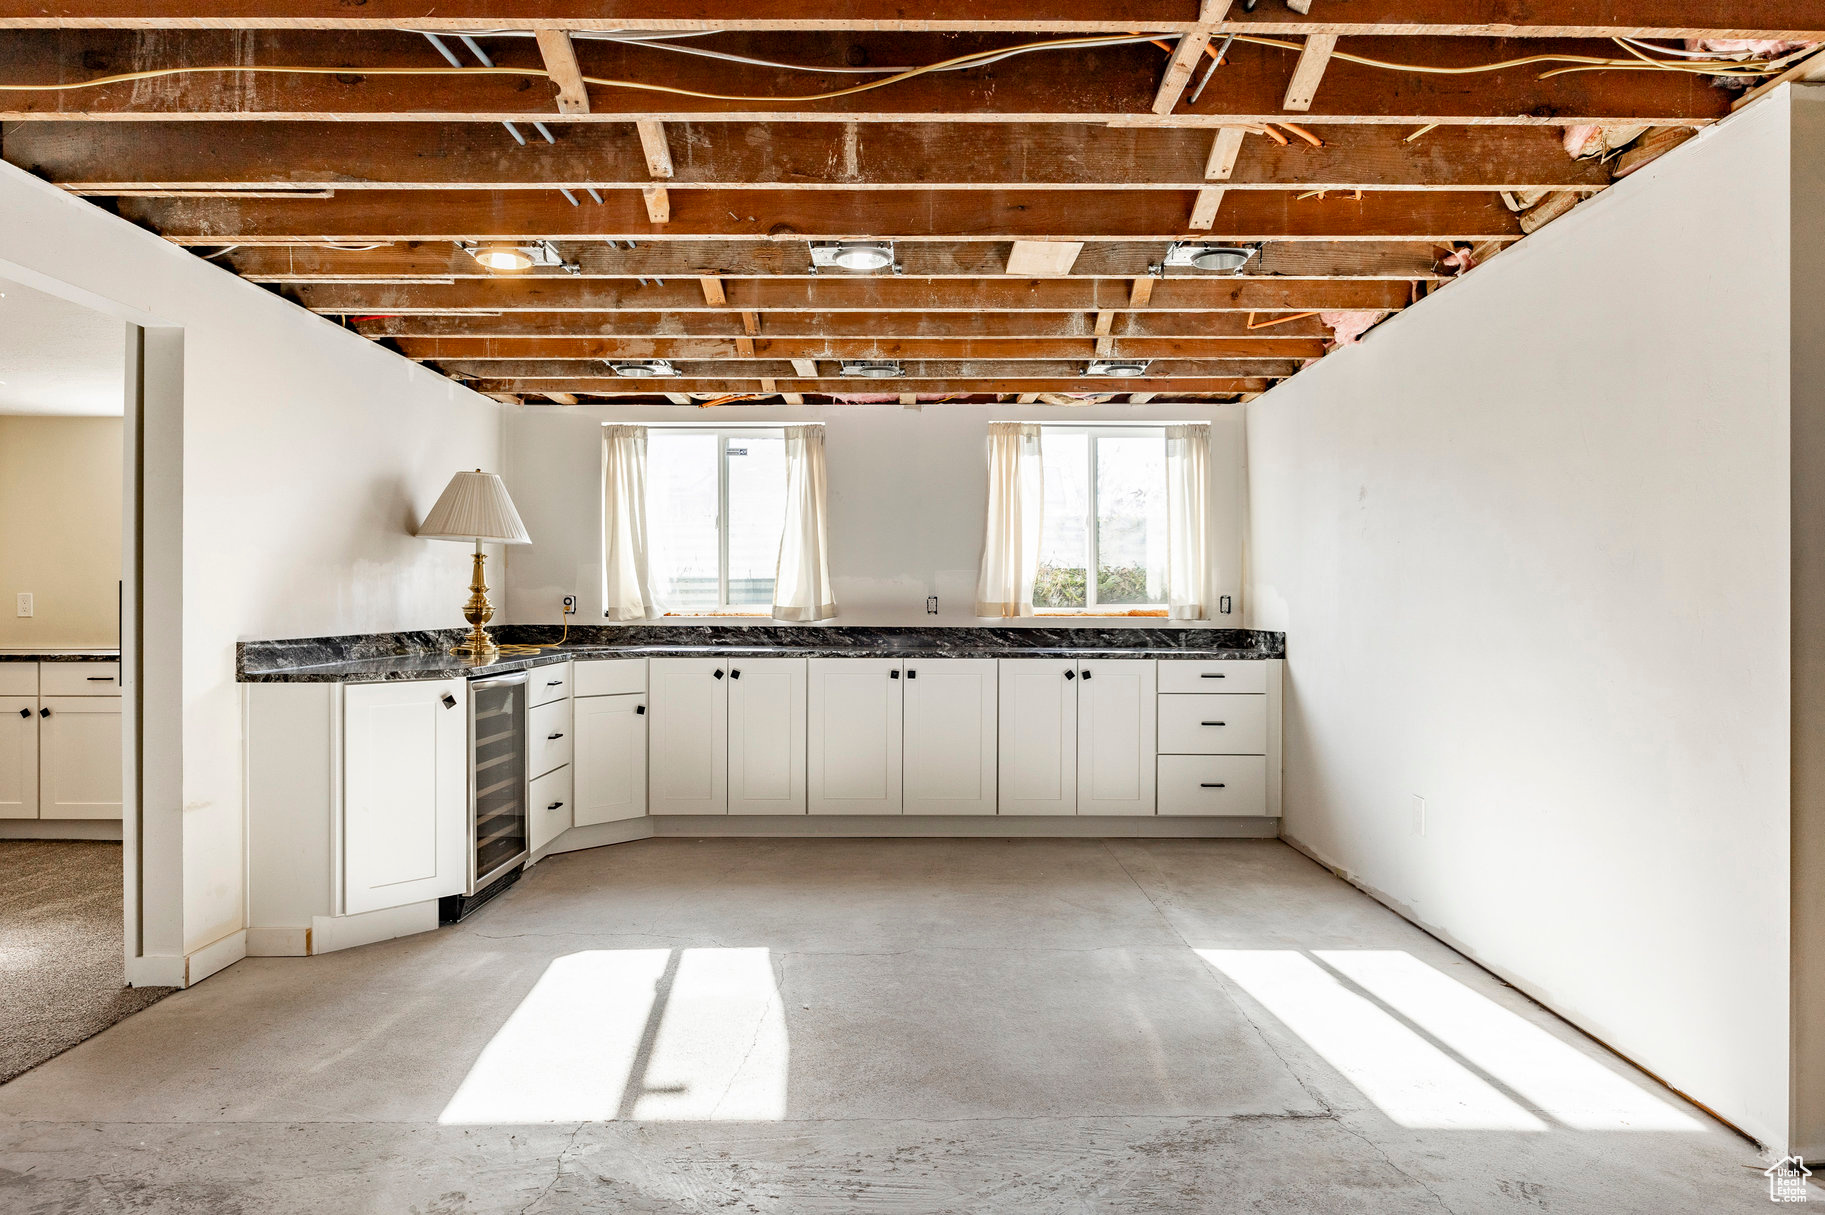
1213, 723
555, 806
554, 683
1210, 784
25, 712
101, 679
553, 737
1211, 675
640, 709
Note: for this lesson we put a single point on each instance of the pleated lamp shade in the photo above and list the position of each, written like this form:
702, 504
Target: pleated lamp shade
475, 506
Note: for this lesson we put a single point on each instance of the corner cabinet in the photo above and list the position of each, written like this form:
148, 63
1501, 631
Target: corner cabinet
358, 810
611, 718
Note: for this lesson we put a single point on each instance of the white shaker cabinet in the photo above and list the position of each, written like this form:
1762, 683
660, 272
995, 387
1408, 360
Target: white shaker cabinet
949, 742
1038, 754
766, 735
688, 743
854, 708
1116, 736
79, 757
610, 760
18, 757
405, 793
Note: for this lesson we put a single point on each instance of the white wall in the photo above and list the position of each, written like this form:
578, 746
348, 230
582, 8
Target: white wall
60, 480
309, 456
1530, 546
908, 496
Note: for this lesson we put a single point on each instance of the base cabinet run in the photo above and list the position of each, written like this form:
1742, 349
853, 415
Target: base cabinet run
60, 741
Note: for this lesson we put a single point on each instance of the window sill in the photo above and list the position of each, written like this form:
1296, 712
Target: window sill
1156, 613
730, 615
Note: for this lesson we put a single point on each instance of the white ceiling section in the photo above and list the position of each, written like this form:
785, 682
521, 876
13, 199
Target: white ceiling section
57, 357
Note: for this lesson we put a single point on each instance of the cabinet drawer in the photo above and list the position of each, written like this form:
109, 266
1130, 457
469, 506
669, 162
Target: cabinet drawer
549, 808
1213, 725
546, 684
18, 679
609, 676
1213, 784
549, 728
1213, 675
79, 679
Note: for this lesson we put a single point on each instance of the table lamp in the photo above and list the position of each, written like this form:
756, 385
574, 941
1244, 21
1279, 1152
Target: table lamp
475, 506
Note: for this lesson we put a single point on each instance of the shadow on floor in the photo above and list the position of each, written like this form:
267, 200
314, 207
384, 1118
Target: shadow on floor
61, 945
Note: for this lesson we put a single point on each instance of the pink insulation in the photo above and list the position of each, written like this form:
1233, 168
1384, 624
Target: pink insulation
1583, 139
1458, 261
1348, 327
1746, 48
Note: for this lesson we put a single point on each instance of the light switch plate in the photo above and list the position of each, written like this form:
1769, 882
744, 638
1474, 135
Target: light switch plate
25, 603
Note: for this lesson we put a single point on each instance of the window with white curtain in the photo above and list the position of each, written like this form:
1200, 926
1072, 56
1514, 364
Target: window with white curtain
1103, 545
716, 506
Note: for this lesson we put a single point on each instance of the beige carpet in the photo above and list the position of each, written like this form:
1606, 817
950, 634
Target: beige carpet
60, 949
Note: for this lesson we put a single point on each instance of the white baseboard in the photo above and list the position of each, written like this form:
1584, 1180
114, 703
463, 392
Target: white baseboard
330, 933
598, 834
214, 957
155, 971
278, 942
60, 829
946, 826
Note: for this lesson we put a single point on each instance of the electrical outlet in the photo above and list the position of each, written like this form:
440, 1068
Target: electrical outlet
25, 603
570, 605
1419, 815
931, 605
1224, 605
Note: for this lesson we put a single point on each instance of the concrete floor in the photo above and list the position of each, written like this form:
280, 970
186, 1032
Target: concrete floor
800, 1027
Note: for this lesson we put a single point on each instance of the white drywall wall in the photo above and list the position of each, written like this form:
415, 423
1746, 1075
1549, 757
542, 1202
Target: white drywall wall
908, 492
309, 456
1529, 543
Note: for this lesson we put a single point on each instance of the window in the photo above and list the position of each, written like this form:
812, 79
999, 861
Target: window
716, 504
1105, 511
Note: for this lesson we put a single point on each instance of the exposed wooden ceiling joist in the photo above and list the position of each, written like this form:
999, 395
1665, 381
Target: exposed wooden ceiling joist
94, 158
1405, 260
806, 350
1105, 84
614, 384
1643, 18
834, 325
782, 370
366, 216
777, 297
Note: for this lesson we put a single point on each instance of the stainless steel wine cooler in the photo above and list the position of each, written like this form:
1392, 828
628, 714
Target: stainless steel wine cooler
498, 791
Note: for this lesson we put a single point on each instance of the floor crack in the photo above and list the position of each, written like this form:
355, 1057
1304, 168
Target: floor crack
559, 1175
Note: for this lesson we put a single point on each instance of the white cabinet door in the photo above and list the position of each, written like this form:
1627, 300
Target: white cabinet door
949, 742
610, 765
18, 757
689, 739
1038, 761
405, 797
853, 736
1116, 714
79, 757
766, 736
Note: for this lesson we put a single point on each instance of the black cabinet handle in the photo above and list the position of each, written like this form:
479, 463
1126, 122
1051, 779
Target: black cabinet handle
1213, 723
553, 737
1211, 675
1070, 674
734, 674
1086, 675
101, 679
44, 712
910, 674
25, 712
1210, 785
719, 672
640, 709
555, 806
893, 674
449, 701
554, 683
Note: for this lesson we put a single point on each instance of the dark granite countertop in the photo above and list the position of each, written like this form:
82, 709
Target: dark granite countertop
59, 655
388, 657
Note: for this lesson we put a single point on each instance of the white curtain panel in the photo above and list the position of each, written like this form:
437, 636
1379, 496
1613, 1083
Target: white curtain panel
627, 591
801, 585
1187, 521
1010, 551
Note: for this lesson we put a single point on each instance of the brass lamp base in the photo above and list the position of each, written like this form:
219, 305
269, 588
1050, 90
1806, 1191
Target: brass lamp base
477, 645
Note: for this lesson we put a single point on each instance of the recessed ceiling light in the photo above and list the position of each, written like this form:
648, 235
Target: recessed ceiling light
508, 256
873, 369
853, 254
643, 369
1118, 367
1215, 259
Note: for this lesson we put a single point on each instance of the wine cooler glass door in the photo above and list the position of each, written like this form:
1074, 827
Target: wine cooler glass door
498, 736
